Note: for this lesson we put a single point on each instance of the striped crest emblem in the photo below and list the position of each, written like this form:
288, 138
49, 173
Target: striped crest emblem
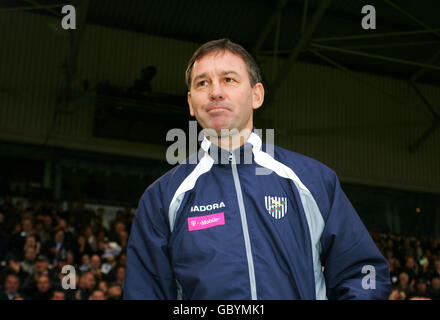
276, 206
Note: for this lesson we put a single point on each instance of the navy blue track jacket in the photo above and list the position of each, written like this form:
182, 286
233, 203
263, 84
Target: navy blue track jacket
251, 226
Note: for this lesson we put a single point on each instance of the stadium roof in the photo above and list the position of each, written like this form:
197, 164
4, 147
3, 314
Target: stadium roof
405, 43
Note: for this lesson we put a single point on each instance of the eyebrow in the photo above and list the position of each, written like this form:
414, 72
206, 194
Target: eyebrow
223, 73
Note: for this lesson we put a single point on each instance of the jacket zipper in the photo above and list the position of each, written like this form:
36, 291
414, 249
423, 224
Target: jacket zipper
244, 225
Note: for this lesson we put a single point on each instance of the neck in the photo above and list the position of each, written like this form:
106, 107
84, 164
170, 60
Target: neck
233, 140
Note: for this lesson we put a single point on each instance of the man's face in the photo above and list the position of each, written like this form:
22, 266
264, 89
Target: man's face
27, 225
43, 284
119, 227
41, 266
221, 96
403, 278
59, 236
410, 263
30, 254
95, 261
114, 292
421, 287
97, 295
11, 284
90, 281
120, 275
435, 284
59, 295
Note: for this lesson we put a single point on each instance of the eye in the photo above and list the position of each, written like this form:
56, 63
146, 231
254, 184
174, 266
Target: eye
202, 83
229, 80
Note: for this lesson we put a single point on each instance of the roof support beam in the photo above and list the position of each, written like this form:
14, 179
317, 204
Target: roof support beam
273, 18
410, 16
302, 44
377, 35
376, 56
368, 46
421, 71
34, 7
47, 8
304, 16
435, 124
360, 79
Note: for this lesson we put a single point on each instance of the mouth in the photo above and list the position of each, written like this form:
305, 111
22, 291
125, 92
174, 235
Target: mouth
217, 108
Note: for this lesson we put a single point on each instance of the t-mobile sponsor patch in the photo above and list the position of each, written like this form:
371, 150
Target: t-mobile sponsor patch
204, 222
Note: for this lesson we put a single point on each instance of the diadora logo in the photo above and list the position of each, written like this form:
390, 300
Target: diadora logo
208, 207
276, 206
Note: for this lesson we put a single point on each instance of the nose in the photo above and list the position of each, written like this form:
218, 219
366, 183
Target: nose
216, 92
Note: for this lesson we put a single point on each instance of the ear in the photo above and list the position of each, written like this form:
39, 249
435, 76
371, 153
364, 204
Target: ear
257, 95
191, 110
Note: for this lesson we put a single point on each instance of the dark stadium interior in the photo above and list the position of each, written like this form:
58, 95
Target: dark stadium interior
79, 143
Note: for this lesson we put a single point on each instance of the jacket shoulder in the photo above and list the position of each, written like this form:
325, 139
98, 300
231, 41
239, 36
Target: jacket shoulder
303, 165
321, 180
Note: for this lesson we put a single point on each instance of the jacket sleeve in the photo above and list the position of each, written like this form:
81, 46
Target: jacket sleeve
149, 275
354, 268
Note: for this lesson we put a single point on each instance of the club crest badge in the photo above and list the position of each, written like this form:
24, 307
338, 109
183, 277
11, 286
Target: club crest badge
276, 206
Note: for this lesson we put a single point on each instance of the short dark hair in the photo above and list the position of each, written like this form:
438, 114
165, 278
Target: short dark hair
224, 45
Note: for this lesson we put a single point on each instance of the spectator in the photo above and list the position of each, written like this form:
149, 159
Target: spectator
87, 284
122, 258
85, 263
31, 241
57, 249
397, 294
58, 295
91, 239
82, 247
436, 271
40, 231
118, 228
29, 286
120, 276
411, 267
11, 285
4, 236
103, 286
95, 265
123, 240
405, 283
48, 223
434, 289
97, 295
27, 266
43, 291
27, 225
114, 292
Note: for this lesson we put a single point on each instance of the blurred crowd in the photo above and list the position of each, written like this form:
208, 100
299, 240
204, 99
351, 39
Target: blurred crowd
414, 264
40, 241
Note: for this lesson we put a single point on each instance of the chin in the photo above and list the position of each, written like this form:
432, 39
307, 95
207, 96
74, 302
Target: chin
218, 126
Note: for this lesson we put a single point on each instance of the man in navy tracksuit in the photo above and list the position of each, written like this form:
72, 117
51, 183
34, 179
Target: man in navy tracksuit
242, 221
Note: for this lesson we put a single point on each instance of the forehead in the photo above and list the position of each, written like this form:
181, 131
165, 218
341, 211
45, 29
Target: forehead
218, 61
